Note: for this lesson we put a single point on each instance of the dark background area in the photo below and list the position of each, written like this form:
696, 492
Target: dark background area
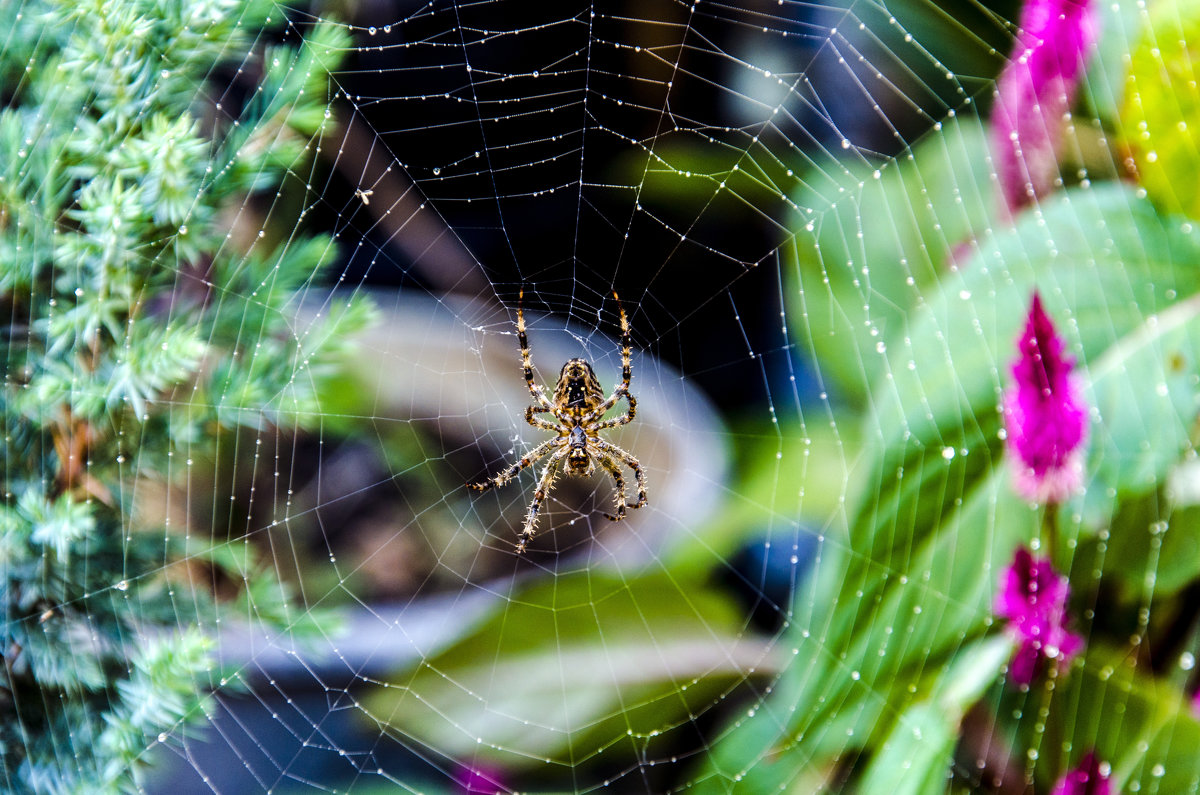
530, 128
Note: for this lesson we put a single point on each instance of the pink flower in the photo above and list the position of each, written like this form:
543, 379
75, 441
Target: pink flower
1033, 597
1089, 777
1034, 95
480, 780
1045, 418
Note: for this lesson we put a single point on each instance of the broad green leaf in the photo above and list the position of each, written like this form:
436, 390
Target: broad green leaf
1104, 263
942, 418
938, 521
884, 645
886, 239
1145, 397
1140, 724
1144, 390
684, 173
909, 623
1120, 25
798, 478
584, 663
1151, 551
916, 757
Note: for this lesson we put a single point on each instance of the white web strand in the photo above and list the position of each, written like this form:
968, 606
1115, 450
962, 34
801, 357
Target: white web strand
449, 366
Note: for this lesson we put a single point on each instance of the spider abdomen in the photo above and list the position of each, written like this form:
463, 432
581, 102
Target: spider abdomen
578, 387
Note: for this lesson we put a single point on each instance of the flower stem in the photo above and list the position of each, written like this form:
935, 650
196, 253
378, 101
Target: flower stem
1049, 534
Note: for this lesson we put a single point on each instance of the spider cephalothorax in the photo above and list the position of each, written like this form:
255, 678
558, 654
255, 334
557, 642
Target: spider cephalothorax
579, 407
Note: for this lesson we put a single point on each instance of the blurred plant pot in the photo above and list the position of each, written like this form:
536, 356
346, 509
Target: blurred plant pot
453, 369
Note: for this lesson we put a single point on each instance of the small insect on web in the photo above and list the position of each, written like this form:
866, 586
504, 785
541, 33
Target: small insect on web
579, 407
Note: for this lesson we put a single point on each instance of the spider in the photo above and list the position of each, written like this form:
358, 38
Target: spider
579, 407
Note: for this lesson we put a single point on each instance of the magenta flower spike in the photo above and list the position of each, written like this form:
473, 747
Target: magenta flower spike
1034, 95
1089, 777
480, 780
1033, 598
1045, 418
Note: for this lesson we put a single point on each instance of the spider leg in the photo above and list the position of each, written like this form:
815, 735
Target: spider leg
626, 344
605, 407
539, 496
622, 389
511, 472
615, 471
624, 419
538, 422
630, 462
535, 389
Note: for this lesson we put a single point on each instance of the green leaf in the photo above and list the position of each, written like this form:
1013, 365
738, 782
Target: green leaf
795, 479
584, 663
1104, 263
1144, 390
1120, 24
1140, 724
56, 524
1161, 110
891, 627
1142, 460
917, 756
160, 358
1151, 551
884, 644
938, 521
870, 261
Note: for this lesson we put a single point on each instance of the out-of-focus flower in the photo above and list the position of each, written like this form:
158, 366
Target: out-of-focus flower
480, 780
1034, 95
1033, 597
1045, 418
1196, 704
1089, 777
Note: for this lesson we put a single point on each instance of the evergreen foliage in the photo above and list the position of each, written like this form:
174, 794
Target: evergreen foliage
138, 329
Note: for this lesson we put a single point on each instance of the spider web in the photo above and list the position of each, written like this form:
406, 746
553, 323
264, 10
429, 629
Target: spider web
735, 171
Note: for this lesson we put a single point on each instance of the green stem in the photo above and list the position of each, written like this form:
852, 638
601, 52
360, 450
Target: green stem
1049, 535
